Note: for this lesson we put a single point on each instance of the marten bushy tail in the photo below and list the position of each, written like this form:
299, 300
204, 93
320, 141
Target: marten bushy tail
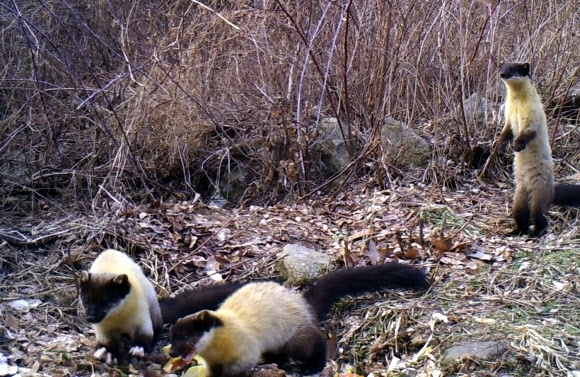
335, 285
325, 292
567, 195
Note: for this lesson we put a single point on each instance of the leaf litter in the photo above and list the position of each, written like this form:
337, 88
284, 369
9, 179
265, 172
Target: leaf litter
485, 285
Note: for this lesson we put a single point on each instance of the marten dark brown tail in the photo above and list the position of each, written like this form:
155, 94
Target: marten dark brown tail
356, 281
195, 300
325, 292
567, 195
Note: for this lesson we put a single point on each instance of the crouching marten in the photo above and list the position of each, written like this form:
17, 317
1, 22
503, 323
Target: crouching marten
265, 320
119, 300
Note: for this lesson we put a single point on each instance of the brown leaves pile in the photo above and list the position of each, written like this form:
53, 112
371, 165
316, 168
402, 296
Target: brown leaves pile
195, 244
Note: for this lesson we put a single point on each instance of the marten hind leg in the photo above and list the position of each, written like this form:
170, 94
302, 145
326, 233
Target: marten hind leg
521, 213
308, 349
539, 205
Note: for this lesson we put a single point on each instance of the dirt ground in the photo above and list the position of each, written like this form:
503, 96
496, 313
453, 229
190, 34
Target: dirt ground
485, 286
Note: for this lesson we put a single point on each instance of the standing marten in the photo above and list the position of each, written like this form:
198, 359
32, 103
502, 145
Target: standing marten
533, 166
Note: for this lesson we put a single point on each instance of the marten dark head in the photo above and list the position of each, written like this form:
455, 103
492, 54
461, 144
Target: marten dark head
193, 333
101, 293
514, 70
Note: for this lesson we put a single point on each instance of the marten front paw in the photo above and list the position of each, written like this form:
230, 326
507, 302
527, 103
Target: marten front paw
518, 232
137, 351
103, 355
501, 146
519, 145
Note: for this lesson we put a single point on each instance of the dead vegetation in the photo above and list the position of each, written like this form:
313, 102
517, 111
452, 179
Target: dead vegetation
114, 115
150, 100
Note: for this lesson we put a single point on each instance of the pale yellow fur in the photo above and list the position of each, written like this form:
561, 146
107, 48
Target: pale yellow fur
137, 309
533, 167
523, 109
259, 317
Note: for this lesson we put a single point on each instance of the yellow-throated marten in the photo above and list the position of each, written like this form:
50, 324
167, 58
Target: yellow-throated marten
525, 121
265, 320
119, 300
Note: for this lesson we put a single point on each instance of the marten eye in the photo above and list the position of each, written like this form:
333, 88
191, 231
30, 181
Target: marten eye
183, 339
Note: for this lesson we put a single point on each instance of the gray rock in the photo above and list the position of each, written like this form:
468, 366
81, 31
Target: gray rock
300, 265
24, 306
477, 109
235, 182
333, 145
402, 145
478, 350
8, 370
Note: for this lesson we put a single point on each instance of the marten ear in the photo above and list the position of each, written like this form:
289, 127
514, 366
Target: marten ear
208, 320
84, 277
526, 67
120, 279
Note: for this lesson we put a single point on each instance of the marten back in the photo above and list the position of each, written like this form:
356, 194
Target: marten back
194, 300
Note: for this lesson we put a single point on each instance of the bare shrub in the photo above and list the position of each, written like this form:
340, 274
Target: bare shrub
121, 98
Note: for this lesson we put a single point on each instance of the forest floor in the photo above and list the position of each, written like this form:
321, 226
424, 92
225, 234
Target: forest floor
485, 286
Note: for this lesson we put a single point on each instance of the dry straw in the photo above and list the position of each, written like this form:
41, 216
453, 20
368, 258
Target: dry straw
138, 97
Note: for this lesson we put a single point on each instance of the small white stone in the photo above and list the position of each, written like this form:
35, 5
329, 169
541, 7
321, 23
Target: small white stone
21, 305
100, 354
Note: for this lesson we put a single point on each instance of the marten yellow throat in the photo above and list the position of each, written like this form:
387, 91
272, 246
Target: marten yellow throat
525, 123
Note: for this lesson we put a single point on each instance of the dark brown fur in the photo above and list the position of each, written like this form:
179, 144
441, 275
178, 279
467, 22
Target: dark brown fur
324, 292
194, 300
567, 195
